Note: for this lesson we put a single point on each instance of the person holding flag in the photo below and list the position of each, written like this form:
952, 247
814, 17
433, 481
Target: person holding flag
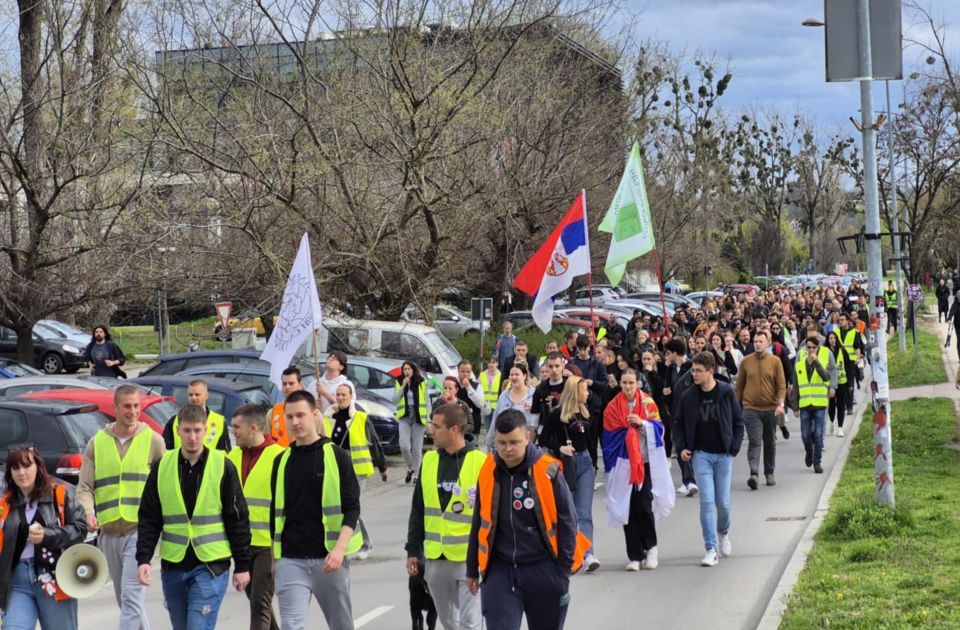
551, 270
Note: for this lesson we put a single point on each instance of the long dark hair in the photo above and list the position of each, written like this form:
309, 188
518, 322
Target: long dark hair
23, 456
106, 333
417, 377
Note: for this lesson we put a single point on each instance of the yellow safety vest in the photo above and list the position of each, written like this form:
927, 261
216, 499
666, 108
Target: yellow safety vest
359, 447
215, 428
446, 532
204, 530
256, 490
848, 339
491, 391
118, 483
421, 404
815, 392
332, 512
841, 368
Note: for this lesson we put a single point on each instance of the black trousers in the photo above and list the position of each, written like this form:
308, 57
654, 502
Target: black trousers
640, 532
838, 404
539, 591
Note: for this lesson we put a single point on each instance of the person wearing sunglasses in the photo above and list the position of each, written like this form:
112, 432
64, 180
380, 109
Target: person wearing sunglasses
40, 519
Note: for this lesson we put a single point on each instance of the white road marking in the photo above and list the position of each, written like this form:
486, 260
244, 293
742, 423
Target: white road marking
379, 611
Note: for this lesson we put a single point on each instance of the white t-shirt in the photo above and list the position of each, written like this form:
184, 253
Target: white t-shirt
332, 385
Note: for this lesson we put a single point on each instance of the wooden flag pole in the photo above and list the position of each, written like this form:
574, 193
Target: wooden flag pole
663, 302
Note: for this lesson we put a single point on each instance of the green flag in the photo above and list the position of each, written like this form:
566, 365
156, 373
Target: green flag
628, 220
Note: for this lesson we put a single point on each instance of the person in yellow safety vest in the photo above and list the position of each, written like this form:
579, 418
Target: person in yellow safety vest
838, 404
440, 518
852, 341
893, 311
116, 464
193, 505
413, 413
816, 384
311, 537
348, 428
290, 381
216, 435
490, 381
253, 458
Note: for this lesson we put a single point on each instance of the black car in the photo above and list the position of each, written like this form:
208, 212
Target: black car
176, 363
59, 430
225, 396
51, 352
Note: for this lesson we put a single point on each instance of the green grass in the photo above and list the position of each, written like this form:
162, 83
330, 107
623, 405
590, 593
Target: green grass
905, 371
877, 568
143, 339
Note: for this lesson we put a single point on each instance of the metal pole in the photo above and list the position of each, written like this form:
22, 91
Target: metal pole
901, 333
883, 455
160, 321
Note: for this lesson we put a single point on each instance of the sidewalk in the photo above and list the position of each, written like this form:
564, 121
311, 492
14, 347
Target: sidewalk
946, 389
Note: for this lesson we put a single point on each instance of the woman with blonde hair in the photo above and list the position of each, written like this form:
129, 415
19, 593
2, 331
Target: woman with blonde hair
566, 434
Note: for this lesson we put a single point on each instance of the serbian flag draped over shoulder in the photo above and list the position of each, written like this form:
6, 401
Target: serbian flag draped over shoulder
565, 255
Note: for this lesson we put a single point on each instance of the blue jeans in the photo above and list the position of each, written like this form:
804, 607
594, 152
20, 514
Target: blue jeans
714, 472
27, 604
811, 430
583, 495
193, 597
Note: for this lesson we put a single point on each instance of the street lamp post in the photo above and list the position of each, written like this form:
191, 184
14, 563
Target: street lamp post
901, 333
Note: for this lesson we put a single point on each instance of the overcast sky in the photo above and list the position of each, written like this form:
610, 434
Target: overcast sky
775, 61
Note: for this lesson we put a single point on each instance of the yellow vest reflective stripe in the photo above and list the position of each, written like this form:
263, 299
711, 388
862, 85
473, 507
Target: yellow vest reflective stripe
359, 447
215, 428
491, 391
118, 483
446, 532
204, 530
815, 392
332, 512
421, 404
256, 490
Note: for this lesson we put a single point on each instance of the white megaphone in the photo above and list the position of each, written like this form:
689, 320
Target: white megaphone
82, 571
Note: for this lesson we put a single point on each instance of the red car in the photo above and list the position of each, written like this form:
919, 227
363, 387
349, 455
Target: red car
155, 410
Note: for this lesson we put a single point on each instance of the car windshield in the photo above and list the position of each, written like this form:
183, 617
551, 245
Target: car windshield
47, 333
162, 412
258, 396
83, 426
65, 328
18, 369
439, 344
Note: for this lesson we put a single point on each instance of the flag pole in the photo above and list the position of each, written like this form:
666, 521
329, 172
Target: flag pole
593, 333
316, 359
663, 302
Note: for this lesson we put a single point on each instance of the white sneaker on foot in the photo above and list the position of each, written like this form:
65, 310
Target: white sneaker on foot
591, 563
682, 489
363, 554
633, 565
726, 547
710, 559
692, 489
833, 428
650, 562
840, 432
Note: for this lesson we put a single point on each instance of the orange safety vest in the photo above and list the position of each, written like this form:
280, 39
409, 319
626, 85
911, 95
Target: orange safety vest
541, 490
59, 492
278, 426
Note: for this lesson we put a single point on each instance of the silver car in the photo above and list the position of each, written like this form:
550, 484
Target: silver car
449, 320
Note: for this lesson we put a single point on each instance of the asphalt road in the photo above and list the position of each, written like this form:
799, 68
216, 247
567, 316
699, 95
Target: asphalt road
766, 527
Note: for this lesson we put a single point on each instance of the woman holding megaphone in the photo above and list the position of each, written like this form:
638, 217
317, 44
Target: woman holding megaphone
38, 520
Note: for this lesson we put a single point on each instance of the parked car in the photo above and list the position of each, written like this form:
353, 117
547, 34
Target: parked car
59, 430
66, 330
155, 410
675, 299
605, 316
14, 369
26, 384
52, 353
601, 295
225, 396
174, 363
449, 320
739, 288
699, 297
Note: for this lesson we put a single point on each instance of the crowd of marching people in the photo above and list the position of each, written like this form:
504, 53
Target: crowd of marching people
502, 506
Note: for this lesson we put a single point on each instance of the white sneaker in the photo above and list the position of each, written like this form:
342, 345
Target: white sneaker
726, 547
692, 489
363, 554
710, 559
633, 565
833, 428
591, 563
650, 562
682, 489
840, 432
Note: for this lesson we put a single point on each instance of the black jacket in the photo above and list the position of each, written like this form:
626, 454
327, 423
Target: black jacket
223, 443
236, 519
516, 534
112, 352
56, 538
341, 435
686, 418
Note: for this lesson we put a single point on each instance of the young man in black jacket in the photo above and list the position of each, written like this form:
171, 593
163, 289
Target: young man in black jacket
708, 431
677, 367
313, 520
193, 497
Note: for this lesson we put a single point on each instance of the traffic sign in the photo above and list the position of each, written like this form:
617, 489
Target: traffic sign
914, 293
223, 313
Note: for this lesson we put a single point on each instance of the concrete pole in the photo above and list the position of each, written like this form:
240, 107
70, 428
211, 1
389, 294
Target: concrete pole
901, 332
877, 346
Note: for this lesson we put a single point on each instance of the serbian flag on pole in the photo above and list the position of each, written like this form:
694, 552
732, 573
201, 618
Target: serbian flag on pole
550, 271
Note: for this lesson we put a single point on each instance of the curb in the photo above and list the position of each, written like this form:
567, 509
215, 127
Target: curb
773, 613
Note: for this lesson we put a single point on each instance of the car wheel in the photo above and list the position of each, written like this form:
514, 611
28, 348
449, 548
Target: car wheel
52, 363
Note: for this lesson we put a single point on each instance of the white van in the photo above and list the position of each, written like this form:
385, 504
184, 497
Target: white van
396, 340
